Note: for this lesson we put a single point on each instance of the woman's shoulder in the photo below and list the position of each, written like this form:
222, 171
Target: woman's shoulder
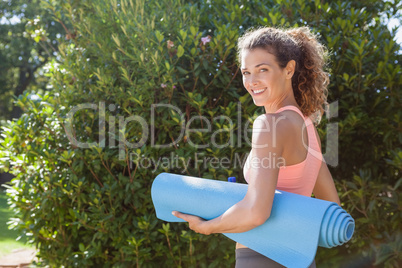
282, 121
272, 128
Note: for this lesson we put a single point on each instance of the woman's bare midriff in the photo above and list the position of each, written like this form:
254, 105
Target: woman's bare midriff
238, 245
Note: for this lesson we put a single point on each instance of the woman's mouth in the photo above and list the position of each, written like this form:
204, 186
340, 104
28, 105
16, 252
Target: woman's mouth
258, 91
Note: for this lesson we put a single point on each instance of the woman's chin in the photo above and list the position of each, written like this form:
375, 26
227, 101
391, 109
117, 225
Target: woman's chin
258, 103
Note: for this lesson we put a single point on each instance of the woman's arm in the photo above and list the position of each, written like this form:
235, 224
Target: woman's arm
325, 187
255, 208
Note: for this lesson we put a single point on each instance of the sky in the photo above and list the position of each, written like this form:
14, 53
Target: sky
392, 23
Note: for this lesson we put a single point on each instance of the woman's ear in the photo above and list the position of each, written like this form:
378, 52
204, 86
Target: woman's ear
290, 69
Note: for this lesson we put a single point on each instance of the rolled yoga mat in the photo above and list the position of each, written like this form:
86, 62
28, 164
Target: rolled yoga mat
296, 226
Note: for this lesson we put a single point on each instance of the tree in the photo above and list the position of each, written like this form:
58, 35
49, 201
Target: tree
29, 39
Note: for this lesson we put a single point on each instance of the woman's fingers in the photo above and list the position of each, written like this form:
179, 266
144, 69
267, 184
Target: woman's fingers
179, 215
195, 222
184, 216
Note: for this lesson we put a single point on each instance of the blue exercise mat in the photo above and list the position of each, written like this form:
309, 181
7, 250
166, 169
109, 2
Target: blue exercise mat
297, 225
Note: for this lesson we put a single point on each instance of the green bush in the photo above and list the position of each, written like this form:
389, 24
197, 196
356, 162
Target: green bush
133, 59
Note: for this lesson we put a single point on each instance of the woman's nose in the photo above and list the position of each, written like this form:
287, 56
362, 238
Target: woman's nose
253, 80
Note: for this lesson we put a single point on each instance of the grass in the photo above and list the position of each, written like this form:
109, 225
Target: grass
8, 237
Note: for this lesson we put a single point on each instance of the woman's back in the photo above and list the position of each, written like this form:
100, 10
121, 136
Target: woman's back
300, 177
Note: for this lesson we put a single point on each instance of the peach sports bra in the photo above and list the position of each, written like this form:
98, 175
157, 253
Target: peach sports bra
299, 178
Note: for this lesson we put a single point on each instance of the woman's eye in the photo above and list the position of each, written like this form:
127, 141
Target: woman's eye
263, 70
244, 73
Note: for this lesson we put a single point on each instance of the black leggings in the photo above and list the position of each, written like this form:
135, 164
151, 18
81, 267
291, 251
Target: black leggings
247, 258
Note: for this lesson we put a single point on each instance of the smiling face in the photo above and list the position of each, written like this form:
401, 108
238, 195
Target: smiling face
268, 83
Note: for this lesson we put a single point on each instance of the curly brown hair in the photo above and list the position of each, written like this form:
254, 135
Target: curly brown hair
309, 81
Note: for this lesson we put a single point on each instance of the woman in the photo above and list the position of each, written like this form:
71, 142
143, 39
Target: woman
283, 72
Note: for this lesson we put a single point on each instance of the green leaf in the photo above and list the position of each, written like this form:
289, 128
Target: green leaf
232, 16
203, 79
116, 40
181, 70
193, 30
180, 51
183, 34
159, 36
205, 64
397, 184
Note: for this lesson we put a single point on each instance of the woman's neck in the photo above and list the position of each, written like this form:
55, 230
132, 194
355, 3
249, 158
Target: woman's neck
287, 100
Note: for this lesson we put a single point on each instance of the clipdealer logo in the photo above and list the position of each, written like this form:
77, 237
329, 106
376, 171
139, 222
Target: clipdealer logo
238, 133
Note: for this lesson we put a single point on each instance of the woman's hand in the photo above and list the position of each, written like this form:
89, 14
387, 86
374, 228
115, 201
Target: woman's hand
195, 223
